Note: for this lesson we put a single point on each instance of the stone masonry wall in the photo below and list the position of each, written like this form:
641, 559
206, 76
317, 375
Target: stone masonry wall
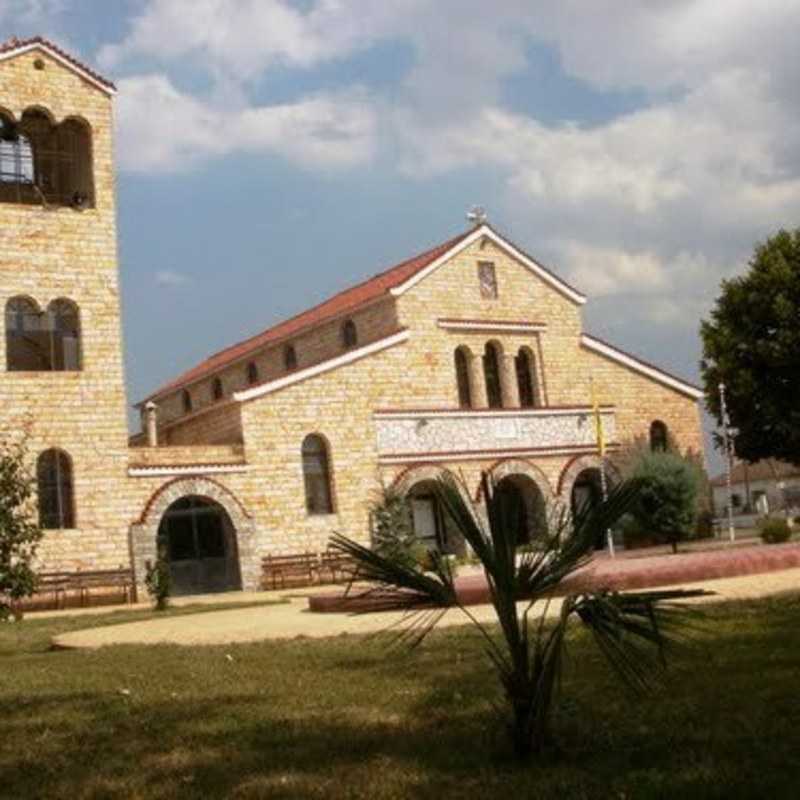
60, 252
311, 347
419, 373
219, 425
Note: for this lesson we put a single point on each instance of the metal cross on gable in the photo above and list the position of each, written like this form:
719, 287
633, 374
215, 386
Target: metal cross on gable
477, 215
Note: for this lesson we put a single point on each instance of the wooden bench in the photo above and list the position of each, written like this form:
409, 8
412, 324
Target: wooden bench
60, 587
280, 571
337, 567
114, 579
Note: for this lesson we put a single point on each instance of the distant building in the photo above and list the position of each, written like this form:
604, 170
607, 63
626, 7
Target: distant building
761, 488
469, 357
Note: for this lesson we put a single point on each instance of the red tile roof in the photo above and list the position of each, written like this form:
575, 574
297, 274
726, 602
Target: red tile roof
18, 44
347, 301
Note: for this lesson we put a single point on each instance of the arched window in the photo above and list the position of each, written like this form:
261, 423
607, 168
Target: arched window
252, 373
27, 347
491, 371
16, 163
349, 334
462, 377
37, 342
216, 389
186, 401
54, 487
659, 437
65, 336
289, 357
316, 474
525, 365
45, 163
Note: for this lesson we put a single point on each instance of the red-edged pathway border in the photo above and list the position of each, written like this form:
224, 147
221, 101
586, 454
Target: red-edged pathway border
628, 572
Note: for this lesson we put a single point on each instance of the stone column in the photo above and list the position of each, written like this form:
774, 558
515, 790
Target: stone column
508, 381
477, 382
151, 423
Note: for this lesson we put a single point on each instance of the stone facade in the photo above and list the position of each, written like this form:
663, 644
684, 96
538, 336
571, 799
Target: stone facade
49, 252
387, 406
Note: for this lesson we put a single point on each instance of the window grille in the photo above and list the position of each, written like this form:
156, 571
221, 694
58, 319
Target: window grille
44, 163
55, 490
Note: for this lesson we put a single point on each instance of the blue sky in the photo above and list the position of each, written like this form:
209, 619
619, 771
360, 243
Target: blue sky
271, 152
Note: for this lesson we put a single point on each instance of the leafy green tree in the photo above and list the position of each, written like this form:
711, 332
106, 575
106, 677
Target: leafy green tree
635, 459
632, 629
666, 506
19, 534
752, 344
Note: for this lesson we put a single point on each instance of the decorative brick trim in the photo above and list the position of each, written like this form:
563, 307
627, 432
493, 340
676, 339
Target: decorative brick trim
482, 455
417, 413
490, 325
506, 467
220, 489
576, 465
199, 470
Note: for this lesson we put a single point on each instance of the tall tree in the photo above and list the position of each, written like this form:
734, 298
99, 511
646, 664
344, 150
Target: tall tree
752, 344
19, 534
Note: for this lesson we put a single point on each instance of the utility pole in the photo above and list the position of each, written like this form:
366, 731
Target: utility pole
726, 439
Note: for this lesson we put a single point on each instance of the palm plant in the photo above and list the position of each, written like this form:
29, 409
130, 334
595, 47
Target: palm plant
632, 629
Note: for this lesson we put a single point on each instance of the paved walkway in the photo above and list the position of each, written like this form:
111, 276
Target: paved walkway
293, 619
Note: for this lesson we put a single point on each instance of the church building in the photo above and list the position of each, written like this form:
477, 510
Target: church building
468, 357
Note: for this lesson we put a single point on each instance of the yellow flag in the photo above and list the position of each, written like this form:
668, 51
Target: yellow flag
598, 424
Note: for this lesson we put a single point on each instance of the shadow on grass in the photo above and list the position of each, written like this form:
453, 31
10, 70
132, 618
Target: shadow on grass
337, 719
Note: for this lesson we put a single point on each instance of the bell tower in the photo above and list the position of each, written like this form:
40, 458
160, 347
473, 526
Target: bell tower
61, 370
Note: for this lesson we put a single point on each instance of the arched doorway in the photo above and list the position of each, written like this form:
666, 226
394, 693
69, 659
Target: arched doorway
588, 488
432, 525
201, 547
527, 504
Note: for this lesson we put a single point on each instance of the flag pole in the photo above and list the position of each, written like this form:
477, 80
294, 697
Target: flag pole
601, 450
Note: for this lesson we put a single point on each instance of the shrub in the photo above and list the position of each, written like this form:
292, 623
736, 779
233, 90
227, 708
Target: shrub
19, 533
158, 580
666, 505
774, 530
393, 529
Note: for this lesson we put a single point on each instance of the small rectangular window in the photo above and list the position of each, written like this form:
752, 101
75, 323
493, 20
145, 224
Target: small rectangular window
487, 277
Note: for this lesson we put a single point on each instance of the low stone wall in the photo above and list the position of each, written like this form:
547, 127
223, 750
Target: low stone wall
186, 455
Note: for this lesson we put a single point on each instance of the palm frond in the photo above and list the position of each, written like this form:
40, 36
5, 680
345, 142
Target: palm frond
396, 586
567, 550
634, 629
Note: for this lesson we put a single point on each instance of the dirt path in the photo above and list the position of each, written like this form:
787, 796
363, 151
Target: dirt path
293, 619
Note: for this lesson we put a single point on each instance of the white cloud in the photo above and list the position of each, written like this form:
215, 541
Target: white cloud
600, 271
659, 202
168, 278
163, 129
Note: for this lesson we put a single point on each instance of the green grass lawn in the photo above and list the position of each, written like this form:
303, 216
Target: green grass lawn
350, 718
